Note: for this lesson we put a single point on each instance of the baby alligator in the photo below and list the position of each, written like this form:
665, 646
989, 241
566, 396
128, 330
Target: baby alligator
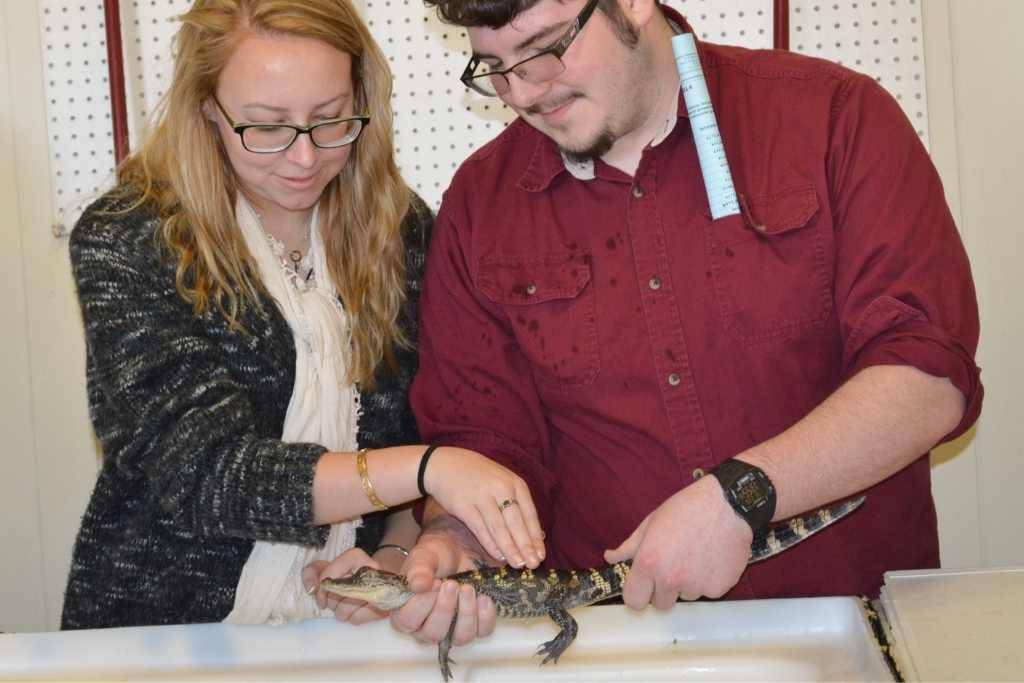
522, 593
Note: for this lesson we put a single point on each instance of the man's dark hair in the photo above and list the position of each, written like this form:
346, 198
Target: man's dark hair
490, 13
497, 13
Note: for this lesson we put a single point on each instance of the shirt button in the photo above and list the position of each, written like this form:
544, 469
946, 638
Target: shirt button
531, 289
638, 192
654, 283
698, 473
674, 379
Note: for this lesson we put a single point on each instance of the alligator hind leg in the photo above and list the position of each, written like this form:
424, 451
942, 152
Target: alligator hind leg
554, 648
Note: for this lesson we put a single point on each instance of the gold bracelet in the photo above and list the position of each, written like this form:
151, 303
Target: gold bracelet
364, 479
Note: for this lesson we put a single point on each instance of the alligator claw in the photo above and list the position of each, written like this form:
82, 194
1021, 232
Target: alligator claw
446, 663
552, 649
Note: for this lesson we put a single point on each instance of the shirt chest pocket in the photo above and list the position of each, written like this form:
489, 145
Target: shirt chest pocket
549, 301
771, 272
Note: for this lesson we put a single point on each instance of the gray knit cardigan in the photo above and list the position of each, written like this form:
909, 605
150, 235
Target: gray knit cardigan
189, 415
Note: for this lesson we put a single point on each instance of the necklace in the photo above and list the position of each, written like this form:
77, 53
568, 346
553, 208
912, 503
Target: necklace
295, 256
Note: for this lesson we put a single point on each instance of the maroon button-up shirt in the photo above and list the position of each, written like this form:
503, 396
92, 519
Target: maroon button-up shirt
609, 342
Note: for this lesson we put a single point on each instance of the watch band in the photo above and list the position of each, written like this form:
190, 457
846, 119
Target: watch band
749, 492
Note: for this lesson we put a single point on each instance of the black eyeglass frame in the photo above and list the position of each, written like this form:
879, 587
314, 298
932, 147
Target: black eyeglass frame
240, 128
558, 49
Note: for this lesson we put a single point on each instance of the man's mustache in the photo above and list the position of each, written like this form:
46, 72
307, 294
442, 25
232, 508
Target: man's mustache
545, 107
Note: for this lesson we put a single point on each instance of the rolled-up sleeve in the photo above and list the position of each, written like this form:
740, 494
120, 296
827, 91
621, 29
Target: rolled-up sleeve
904, 291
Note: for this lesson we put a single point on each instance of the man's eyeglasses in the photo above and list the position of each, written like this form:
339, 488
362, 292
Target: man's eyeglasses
268, 138
539, 68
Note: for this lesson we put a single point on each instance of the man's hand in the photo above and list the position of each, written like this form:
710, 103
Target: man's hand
690, 546
445, 547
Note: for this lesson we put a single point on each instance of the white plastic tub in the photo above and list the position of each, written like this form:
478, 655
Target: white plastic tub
956, 625
821, 639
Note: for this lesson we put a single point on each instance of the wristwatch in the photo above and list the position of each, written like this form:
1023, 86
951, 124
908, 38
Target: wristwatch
749, 491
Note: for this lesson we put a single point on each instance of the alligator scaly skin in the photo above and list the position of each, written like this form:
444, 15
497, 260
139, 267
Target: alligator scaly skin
525, 593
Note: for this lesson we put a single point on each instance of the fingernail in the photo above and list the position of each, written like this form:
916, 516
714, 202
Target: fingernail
311, 589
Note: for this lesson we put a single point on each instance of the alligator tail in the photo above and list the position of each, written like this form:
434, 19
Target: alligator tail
789, 533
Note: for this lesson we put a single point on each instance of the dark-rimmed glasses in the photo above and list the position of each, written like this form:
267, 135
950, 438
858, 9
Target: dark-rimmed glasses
539, 68
268, 138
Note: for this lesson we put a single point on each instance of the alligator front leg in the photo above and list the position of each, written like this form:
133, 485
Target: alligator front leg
443, 648
554, 648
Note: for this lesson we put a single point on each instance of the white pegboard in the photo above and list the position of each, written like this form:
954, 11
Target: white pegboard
437, 121
78, 90
77, 101
878, 37
732, 22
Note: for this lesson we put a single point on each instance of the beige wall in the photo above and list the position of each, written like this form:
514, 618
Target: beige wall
975, 59
48, 459
18, 489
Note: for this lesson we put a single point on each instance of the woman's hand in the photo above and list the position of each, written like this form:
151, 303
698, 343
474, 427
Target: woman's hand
345, 609
491, 500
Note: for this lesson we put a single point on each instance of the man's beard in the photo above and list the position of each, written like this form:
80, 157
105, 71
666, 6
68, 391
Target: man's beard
595, 150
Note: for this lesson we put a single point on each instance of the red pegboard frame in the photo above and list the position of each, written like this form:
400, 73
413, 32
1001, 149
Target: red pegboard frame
780, 25
115, 71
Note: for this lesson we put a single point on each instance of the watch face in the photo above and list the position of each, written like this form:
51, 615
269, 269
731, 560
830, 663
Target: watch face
748, 494
749, 491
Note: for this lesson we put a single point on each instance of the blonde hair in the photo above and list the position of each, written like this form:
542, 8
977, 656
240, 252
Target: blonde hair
193, 187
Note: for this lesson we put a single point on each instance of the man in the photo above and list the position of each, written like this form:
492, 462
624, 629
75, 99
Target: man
588, 325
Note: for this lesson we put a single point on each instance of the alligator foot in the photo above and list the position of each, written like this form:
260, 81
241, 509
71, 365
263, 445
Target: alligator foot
444, 647
554, 648
444, 660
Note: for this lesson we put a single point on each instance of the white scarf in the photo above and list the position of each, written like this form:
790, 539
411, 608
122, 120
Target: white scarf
324, 409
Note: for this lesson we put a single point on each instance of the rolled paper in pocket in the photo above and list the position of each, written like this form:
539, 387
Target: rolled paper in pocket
714, 165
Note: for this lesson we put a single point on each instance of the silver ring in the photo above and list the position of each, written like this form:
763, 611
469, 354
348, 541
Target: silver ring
506, 504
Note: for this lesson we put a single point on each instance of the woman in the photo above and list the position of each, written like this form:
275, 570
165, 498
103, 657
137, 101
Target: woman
249, 295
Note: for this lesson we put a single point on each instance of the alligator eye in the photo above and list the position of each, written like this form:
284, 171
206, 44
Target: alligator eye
359, 572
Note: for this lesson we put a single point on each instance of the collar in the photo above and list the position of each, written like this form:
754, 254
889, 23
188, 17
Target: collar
548, 161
